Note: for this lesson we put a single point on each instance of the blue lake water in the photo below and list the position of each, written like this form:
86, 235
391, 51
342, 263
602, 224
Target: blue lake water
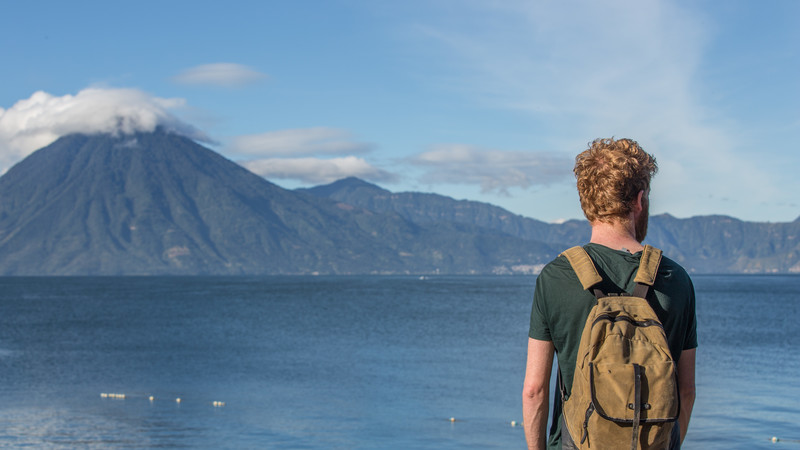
343, 362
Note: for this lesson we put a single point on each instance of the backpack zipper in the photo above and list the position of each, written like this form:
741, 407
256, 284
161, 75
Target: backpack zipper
638, 323
589, 412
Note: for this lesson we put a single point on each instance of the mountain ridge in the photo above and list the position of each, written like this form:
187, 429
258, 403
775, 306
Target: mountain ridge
703, 244
161, 204
158, 203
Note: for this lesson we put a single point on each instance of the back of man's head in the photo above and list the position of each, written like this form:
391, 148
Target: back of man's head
610, 175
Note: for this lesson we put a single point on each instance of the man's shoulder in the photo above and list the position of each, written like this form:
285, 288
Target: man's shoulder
559, 267
559, 278
672, 267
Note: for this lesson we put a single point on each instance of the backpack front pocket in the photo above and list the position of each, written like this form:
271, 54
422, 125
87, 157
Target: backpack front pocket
614, 392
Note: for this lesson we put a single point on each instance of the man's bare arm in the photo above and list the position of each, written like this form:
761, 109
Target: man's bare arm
536, 392
686, 388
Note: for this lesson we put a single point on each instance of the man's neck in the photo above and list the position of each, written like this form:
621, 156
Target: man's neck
618, 235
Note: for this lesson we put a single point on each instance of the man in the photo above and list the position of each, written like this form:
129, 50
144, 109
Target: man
613, 178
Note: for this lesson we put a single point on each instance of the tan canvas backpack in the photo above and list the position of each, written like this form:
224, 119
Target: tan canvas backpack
624, 392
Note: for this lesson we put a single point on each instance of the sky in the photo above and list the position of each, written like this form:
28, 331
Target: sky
483, 100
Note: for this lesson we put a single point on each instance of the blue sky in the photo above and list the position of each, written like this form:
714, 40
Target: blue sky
480, 100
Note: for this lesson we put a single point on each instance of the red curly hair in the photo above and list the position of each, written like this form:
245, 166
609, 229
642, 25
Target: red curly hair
610, 175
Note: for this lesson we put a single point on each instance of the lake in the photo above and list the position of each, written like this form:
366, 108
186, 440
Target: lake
343, 362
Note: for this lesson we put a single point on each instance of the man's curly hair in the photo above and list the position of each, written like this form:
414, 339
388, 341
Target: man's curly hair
610, 175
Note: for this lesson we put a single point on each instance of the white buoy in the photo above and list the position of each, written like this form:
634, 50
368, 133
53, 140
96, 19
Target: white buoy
178, 400
452, 419
152, 398
513, 423
775, 439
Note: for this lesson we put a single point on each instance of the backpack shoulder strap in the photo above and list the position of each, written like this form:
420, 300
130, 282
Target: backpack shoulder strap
589, 277
648, 268
583, 266
648, 265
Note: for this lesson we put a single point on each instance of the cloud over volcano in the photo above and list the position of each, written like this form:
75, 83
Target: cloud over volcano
37, 121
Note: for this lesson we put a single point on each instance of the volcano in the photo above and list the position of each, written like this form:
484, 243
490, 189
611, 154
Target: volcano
160, 204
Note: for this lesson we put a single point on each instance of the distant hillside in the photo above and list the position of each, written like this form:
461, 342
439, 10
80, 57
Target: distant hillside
721, 244
423, 208
158, 203
707, 244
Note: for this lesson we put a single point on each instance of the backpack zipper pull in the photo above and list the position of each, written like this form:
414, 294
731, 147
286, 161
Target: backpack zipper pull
589, 412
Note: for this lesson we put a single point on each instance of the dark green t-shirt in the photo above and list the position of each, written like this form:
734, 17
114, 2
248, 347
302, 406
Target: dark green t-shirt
561, 306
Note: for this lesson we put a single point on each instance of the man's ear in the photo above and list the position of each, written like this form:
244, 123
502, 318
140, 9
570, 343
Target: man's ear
638, 204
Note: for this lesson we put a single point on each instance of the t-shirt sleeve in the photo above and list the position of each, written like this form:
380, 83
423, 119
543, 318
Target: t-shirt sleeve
690, 341
539, 328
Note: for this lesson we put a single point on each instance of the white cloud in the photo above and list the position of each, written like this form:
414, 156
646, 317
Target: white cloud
593, 60
41, 119
619, 68
293, 155
317, 171
493, 170
298, 142
220, 74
